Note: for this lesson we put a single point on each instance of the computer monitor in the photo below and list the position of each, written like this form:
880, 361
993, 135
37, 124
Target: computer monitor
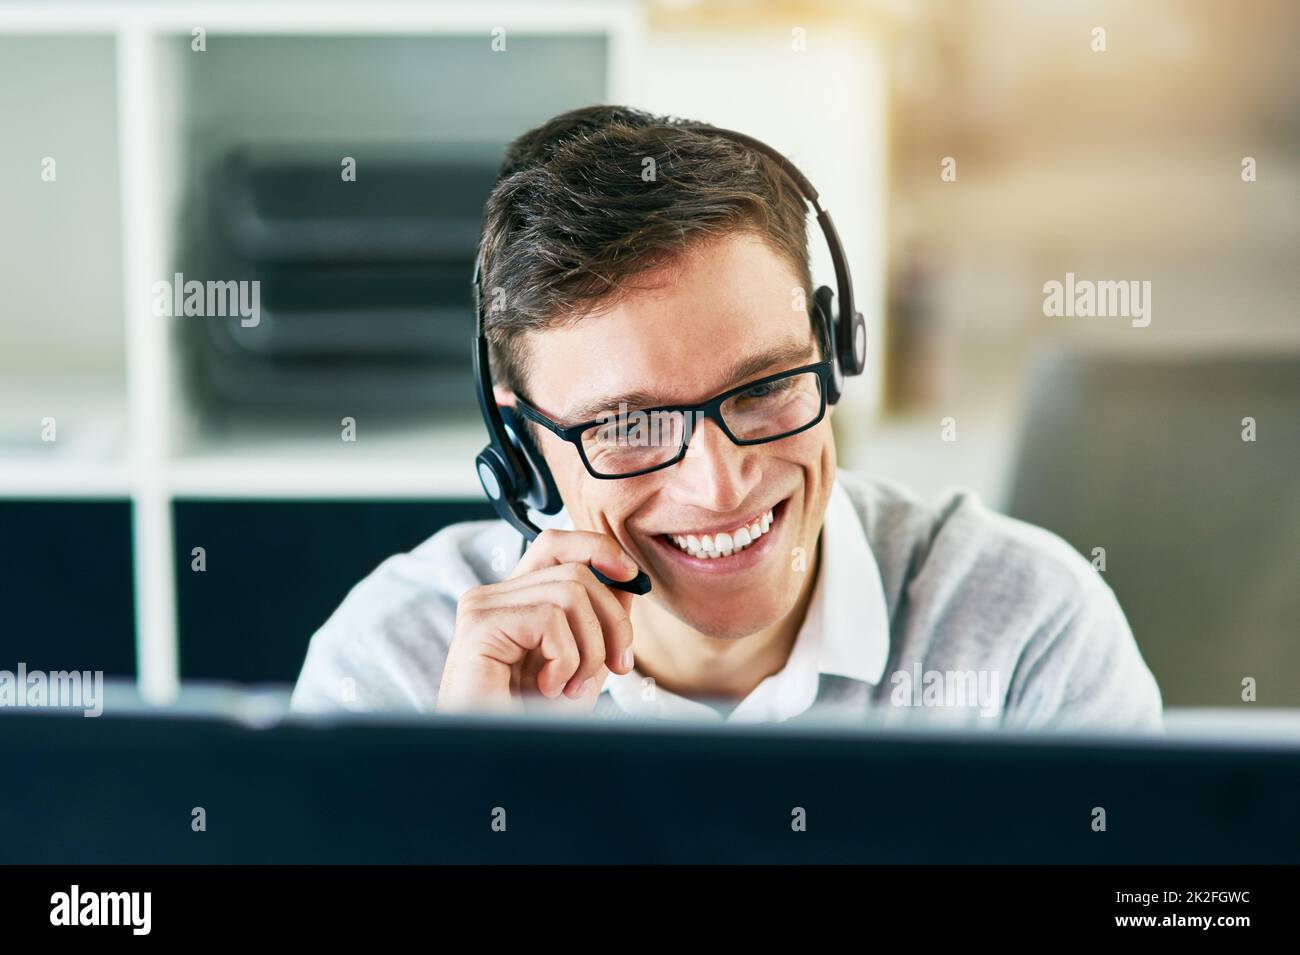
126, 789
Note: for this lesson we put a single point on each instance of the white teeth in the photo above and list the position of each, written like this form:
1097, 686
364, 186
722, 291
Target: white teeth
710, 546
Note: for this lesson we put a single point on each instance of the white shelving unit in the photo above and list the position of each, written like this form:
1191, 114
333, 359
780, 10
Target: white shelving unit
117, 95
119, 89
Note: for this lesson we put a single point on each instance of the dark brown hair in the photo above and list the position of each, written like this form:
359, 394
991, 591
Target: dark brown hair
572, 219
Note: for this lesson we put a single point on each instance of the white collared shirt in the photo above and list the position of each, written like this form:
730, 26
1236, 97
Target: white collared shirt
921, 610
845, 633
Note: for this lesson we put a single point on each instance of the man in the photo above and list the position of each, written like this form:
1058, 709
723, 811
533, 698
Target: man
783, 589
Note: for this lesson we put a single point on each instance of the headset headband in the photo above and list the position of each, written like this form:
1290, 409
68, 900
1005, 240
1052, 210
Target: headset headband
847, 329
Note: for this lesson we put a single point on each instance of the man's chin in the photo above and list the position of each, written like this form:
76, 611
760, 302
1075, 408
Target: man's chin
721, 623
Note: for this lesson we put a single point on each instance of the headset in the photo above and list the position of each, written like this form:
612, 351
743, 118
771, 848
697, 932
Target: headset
511, 468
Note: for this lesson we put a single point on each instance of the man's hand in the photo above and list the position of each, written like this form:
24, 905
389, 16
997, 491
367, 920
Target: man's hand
550, 629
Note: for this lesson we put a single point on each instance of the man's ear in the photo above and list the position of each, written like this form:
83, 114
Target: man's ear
504, 396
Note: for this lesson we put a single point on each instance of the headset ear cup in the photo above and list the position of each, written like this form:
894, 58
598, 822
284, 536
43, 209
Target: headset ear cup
853, 355
821, 319
537, 487
494, 475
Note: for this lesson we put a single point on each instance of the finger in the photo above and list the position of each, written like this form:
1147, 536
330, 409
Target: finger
572, 597
562, 703
577, 547
584, 630
526, 683
560, 647
527, 623
612, 607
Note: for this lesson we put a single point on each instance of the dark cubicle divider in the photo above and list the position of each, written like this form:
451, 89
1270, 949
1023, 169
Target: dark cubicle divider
65, 575
275, 570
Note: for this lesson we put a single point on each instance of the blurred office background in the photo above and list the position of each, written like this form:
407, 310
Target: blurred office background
178, 500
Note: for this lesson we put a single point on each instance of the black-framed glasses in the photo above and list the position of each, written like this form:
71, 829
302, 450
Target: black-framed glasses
628, 443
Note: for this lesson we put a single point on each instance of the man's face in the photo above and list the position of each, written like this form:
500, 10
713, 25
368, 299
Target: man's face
724, 314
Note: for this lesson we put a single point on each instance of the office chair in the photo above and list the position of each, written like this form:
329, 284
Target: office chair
1144, 456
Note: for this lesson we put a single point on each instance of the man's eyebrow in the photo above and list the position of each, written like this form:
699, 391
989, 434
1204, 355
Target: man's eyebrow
791, 352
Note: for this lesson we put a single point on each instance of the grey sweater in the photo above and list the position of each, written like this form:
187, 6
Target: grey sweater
970, 597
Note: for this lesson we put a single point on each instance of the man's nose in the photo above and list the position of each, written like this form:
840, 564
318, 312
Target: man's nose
715, 473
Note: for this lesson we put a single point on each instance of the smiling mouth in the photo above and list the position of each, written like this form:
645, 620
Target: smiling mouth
725, 543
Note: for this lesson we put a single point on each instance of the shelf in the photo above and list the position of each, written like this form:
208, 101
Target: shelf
320, 16
62, 424
433, 461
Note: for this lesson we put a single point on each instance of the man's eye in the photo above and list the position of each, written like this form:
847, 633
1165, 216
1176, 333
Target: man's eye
617, 434
763, 391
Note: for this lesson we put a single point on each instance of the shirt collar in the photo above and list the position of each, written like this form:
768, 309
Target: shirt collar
855, 616
845, 633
